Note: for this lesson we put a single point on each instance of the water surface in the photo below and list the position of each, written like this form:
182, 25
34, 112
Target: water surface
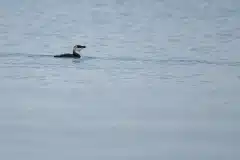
158, 80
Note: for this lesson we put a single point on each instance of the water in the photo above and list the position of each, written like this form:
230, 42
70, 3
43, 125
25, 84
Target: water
158, 80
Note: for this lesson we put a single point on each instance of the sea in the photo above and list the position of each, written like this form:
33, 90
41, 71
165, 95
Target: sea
158, 80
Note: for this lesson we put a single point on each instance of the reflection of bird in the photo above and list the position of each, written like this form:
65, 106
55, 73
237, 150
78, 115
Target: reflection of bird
76, 48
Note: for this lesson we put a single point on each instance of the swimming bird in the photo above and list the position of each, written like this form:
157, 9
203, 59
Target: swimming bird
76, 48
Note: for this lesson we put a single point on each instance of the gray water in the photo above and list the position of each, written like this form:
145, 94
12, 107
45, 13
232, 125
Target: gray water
158, 80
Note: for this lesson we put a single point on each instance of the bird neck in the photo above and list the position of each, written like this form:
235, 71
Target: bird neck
75, 53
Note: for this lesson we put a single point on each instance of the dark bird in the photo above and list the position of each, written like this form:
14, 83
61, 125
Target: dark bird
75, 52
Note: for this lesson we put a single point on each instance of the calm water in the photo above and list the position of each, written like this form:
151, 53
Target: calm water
158, 80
